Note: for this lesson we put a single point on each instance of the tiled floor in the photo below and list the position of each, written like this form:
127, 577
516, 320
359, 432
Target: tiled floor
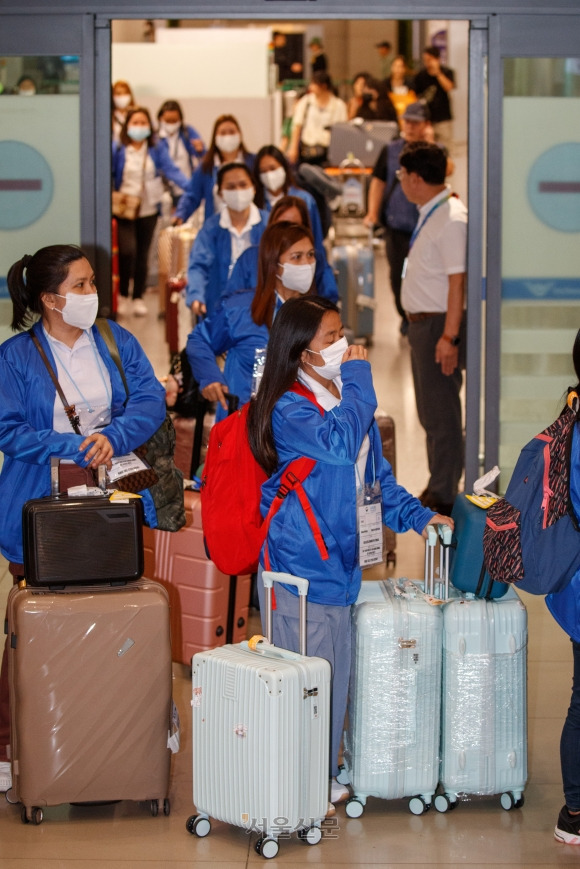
478, 834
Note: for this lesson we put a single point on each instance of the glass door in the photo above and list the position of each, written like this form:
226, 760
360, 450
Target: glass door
41, 146
534, 291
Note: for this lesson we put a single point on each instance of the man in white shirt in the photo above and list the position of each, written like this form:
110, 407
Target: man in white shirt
433, 296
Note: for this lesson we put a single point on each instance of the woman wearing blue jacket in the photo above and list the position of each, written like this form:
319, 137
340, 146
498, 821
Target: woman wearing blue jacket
139, 169
339, 432
226, 147
241, 325
291, 209
565, 607
223, 238
274, 179
58, 285
181, 143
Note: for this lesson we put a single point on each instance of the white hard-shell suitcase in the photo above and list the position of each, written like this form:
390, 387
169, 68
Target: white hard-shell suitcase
484, 706
261, 724
391, 746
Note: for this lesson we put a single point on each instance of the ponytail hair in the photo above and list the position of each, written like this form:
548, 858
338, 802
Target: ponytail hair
31, 276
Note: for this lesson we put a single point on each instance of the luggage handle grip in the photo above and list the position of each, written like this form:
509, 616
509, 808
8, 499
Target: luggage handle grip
269, 577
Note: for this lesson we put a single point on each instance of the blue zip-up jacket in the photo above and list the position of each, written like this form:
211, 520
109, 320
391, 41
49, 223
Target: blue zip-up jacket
232, 329
162, 144
209, 261
200, 188
27, 438
565, 605
313, 212
245, 274
163, 166
334, 440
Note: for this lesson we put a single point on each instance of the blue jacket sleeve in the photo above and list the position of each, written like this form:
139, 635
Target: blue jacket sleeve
201, 260
336, 436
209, 339
401, 510
193, 193
165, 166
192, 133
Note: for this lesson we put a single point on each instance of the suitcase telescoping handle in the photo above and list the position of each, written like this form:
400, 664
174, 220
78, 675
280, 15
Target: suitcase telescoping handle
444, 534
269, 578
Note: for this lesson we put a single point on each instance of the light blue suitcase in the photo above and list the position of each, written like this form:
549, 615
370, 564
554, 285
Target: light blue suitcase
484, 706
354, 267
391, 745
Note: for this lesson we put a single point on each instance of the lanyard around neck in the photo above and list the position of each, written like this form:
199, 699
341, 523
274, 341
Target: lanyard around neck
420, 226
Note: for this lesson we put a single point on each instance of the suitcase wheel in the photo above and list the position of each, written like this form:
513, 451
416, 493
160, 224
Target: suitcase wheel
36, 815
154, 808
311, 836
267, 847
354, 808
417, 805
166, 806
343, 777
444, 803
511, 801
198, 825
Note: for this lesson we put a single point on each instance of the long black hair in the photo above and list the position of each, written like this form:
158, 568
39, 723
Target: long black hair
294, 327
45, 272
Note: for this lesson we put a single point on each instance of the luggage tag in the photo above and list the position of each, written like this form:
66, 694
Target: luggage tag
370, 524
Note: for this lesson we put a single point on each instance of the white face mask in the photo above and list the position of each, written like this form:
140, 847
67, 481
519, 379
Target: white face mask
79, 310
228, 144
170, 129
122, 101
273, 180
239, 200
297, 278
332, 359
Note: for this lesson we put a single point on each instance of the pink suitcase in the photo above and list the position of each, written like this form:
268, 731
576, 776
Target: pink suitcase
208, 608
90, 696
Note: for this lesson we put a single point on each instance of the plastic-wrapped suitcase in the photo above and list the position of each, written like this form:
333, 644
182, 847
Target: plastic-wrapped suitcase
391, 746
90, 696
354, 267
261, 723
467, 570
386, 426
364, 140
208, 608
484, 706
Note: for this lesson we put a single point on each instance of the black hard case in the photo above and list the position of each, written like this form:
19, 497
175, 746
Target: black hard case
80, 541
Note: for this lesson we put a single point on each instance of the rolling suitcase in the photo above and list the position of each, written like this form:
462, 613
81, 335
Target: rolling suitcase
90, 696
484, 707
261, 724
208, 608
391, 746
386, 426
354, 267
468, 571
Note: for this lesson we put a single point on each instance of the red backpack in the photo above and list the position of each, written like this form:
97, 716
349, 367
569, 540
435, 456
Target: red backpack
233, 527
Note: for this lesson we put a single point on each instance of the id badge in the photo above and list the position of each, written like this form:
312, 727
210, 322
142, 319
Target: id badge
370, 525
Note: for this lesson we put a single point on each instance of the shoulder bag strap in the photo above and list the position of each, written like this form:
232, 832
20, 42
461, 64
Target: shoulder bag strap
109, 339
69, 409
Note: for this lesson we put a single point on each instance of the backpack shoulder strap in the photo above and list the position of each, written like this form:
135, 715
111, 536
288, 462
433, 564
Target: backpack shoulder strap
107, 335
301, 389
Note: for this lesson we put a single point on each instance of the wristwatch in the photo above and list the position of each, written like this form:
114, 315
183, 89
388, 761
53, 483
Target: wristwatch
454, 340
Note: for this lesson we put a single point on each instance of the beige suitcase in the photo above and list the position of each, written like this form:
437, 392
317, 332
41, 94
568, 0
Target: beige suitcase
90, 696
